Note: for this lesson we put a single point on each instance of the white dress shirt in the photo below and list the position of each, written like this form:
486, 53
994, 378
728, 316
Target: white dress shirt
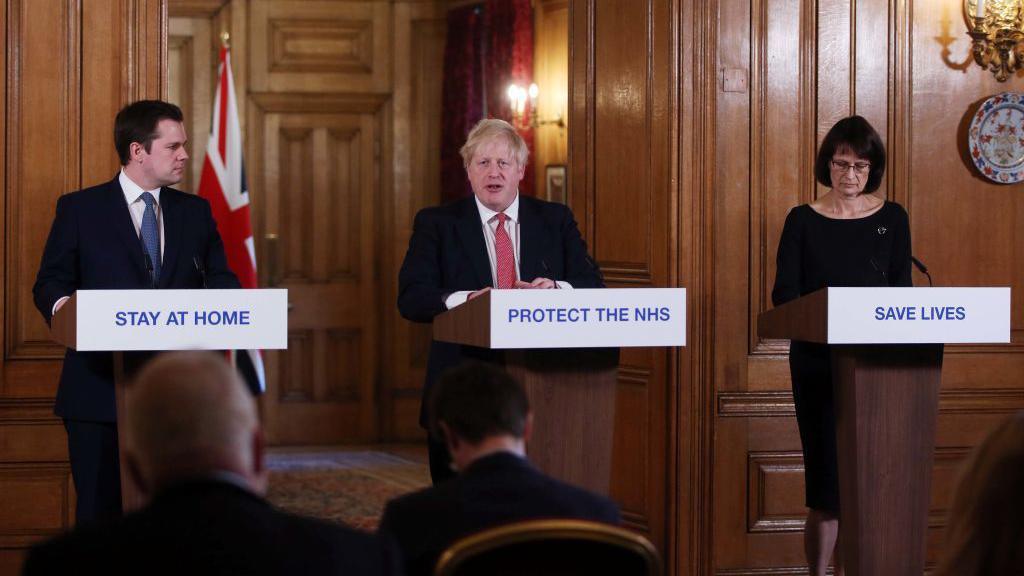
136, 206
489, 221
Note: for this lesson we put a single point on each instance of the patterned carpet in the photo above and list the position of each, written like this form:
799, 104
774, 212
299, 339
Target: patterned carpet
349, 487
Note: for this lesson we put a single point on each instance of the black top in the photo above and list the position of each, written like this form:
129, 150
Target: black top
817, 251
213, 528
494, 490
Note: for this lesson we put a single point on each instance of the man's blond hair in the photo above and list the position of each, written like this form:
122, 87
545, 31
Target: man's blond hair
494, 129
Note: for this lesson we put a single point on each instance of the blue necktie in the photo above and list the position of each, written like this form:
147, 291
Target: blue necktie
151, 234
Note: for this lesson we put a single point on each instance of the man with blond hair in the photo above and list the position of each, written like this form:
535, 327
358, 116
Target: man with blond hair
493, 239
194, 448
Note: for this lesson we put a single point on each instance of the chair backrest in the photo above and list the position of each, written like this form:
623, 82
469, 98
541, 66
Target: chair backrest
550, 548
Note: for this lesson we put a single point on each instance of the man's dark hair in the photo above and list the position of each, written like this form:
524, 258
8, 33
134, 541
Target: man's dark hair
855, 135
477, 400
137, 122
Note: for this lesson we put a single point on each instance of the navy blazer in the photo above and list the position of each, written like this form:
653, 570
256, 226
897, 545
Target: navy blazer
93, 246
447, 253
213, 528
494, 490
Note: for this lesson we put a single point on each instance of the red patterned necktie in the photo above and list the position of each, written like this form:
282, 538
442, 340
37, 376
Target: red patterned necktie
504, 255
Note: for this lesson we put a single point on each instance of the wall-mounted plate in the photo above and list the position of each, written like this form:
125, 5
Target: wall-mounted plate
996, 138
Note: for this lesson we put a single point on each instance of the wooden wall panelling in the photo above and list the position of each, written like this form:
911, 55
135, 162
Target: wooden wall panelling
551, 73
195, 8
415, 138
622, 170
978, 243
825, 60
192, 71
143, 48
741, 43
64, 83
782, 141
320, 46
44, 116
692, 379
834, 52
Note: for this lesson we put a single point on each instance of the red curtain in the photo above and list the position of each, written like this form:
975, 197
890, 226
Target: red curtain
462, 98
509, 60
489, 46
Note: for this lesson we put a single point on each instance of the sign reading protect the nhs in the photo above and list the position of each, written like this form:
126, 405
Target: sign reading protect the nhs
918, 315
110, 320
588, 318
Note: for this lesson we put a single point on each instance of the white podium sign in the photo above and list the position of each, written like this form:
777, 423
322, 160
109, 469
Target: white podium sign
588, 318
113, 320
918, 315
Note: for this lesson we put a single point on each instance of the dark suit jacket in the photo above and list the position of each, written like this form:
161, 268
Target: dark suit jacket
447, 253
211, 527
494, 490
93, 246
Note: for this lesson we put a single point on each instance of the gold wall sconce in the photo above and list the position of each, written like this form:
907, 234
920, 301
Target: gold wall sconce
518, 97
997, 31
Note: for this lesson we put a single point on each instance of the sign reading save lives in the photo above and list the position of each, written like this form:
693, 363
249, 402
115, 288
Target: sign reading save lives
110, 320
918, 315
588, 318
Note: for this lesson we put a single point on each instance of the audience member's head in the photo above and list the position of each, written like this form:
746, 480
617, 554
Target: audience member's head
190, 416
985, 530
480, 409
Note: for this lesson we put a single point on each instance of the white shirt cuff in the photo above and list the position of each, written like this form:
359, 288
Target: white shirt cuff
60, 301
456, 298
563, 284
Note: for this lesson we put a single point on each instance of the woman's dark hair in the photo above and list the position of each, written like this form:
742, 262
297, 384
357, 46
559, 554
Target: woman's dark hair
137, 122
853, 134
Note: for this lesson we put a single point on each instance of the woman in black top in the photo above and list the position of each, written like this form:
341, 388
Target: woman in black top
847, 237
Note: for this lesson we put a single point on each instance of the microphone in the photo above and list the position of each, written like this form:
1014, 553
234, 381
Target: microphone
149, 268
885, 277
547, 272
201, 269
922, 268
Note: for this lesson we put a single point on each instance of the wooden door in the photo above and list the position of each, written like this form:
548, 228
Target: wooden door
318, 181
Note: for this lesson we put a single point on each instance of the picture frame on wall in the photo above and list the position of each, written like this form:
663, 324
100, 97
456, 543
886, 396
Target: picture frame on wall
555, 184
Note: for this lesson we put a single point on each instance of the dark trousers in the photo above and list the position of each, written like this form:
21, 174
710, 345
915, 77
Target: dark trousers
95, 469
440, 460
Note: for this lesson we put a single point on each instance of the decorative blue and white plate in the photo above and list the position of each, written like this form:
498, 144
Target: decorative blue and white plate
996, 138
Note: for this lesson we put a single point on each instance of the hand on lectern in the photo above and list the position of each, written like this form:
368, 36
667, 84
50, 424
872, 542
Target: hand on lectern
542, 283
477, 293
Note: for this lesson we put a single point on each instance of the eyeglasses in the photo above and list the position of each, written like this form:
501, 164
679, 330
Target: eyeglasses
858, 167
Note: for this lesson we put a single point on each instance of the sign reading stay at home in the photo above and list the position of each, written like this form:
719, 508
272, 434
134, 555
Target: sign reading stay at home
181, 319
918, 315
588, 318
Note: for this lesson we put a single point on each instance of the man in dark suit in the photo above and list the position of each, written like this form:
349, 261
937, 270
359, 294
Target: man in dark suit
484, 417
496, 238
133, 232
195, 448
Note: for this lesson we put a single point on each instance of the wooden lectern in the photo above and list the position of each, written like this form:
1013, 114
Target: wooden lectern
93, 326
571, 392
886, 402
563, 345
64, 330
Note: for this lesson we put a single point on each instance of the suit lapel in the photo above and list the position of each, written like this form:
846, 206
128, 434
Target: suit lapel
171, 208
531, 237
471, 235
123, 226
